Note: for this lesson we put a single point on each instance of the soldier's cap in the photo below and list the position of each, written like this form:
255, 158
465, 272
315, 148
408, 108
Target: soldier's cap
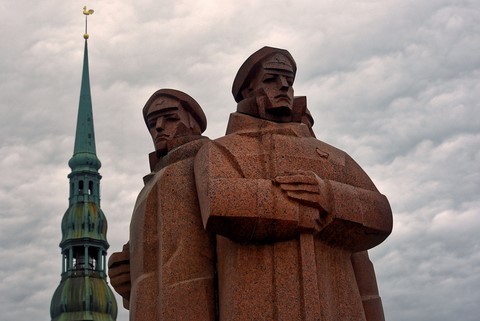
190, 105
251, 66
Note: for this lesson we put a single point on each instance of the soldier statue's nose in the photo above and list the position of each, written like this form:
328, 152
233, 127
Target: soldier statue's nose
160, 123
283, 82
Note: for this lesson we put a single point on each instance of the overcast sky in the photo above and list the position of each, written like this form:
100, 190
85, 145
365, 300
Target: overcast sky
396, 84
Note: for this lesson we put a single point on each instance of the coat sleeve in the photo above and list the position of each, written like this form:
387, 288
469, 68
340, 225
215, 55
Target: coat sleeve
242, 209
360, 217
250, 209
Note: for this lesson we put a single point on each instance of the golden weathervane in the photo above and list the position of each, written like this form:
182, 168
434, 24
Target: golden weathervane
86, 13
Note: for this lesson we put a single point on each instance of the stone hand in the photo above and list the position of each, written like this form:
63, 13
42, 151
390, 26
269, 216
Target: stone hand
119, 271
305, 187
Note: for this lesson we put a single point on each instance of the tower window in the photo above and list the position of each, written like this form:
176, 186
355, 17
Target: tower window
80, 187
90, 188
85, 258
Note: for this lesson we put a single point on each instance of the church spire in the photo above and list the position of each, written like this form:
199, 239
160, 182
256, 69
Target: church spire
83, 293
85, 136
84, 152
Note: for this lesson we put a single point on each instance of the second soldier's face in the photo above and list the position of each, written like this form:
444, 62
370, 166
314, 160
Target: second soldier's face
276, 86
167, 119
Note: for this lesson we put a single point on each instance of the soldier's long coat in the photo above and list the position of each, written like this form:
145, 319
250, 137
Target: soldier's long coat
171, 255
273, 264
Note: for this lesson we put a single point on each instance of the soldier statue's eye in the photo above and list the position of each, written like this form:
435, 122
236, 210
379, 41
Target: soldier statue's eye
269, 78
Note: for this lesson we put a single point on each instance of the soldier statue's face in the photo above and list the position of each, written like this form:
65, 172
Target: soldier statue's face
275, 83
167, 119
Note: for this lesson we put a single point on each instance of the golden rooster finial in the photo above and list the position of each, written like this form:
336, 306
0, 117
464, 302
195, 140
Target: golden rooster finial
89, 12
86, 13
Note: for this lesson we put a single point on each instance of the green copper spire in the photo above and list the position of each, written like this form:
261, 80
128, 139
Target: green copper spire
85, 137
83, 292
84, 152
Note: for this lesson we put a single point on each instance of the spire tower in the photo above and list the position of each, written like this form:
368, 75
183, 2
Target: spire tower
83, 292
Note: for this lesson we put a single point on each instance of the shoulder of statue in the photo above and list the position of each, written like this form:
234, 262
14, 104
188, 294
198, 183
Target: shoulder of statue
188, 149
239, 123
226, 148
354, 173
147, 178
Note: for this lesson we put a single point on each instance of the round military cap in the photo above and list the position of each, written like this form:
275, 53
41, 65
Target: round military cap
252, 65
187, 102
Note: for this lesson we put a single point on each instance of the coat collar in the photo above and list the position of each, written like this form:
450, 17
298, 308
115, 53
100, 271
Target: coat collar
188, 149
243, 124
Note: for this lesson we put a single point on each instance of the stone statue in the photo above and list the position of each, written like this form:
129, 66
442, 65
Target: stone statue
166, 271
289, 211
362, 266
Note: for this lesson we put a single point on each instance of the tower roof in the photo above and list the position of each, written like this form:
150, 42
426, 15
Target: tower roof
83, 298
84, 223
84, 152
